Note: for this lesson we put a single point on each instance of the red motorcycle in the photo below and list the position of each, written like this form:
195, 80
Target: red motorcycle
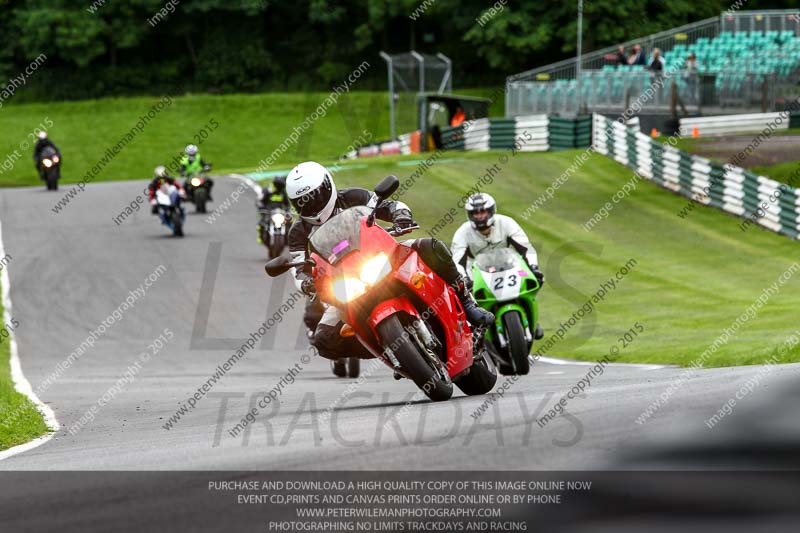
399, 309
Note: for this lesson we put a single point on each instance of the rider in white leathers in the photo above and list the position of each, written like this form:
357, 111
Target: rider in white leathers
486, 230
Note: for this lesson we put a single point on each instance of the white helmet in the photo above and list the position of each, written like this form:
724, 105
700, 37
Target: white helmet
191, 150
43, 135
160, 171
481, 202
312, 192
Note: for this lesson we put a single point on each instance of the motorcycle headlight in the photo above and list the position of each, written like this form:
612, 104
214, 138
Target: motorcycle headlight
375, 269
278, 219
196, 182
47, 163
55, 159
346, 289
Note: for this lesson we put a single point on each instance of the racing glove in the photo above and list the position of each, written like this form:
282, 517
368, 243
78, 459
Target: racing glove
154, 206
402, 219
307, 284
538, 275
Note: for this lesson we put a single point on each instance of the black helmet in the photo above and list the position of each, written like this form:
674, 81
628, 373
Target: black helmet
481, 202
279, 182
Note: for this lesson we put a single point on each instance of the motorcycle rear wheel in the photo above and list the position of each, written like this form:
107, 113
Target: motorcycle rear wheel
481, 378
414, 364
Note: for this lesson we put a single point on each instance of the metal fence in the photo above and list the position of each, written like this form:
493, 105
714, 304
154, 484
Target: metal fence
646, 92
605, 91
771, 20
664, 40
553, 88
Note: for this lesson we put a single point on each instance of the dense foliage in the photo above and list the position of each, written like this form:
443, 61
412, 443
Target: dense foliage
111, 47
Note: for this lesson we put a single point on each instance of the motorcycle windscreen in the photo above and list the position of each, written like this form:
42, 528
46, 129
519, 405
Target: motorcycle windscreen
497, 260
340, 235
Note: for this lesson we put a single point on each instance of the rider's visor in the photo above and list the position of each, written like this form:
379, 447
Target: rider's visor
314, 202
480, 215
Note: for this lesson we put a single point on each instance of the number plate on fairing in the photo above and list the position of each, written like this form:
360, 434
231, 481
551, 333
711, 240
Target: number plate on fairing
505, 285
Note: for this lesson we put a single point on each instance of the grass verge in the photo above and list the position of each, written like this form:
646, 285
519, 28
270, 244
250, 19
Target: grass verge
693, 277
20, 420
232, 131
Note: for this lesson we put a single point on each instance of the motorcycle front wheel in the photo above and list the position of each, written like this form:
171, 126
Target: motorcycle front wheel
412, 361
200, 199
52, 181
177, 223
517, 344
276, 246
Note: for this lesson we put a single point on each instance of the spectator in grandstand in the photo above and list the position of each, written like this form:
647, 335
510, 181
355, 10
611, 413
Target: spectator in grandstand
657, 62
691, 64
637, 57
691, 78
620, 58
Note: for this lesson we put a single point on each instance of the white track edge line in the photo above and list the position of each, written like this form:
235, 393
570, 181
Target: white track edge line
21, 383
250, 182
556, 361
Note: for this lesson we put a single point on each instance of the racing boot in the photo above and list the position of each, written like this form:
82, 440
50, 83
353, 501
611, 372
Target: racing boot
339, 368
476, 316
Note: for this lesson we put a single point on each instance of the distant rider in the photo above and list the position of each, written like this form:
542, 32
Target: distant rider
273, 198
43, 142
159, 178
191, 165
313, 194
487, 230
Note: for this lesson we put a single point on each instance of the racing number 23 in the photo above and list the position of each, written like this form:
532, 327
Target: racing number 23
500, 280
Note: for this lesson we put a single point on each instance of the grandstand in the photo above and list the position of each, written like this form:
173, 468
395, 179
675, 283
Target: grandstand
746, 61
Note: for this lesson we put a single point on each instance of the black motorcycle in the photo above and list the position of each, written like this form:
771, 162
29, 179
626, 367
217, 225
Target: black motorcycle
274, 229
198, 189
50, 167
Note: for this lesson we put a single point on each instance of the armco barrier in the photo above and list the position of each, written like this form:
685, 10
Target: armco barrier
773, 205
565, 133
724, 124
498, 134
533, 133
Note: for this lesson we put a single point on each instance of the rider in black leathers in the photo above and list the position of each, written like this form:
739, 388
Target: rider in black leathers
272, 198
43, 142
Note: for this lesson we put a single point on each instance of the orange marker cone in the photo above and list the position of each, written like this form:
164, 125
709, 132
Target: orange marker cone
695, 132
654, 133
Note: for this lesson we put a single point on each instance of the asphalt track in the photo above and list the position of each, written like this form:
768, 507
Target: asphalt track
72, 269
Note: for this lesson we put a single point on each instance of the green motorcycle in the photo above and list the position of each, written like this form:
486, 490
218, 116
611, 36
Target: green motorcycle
505, 285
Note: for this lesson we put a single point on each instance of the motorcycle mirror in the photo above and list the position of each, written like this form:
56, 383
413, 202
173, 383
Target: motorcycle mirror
277, 266
387, 187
